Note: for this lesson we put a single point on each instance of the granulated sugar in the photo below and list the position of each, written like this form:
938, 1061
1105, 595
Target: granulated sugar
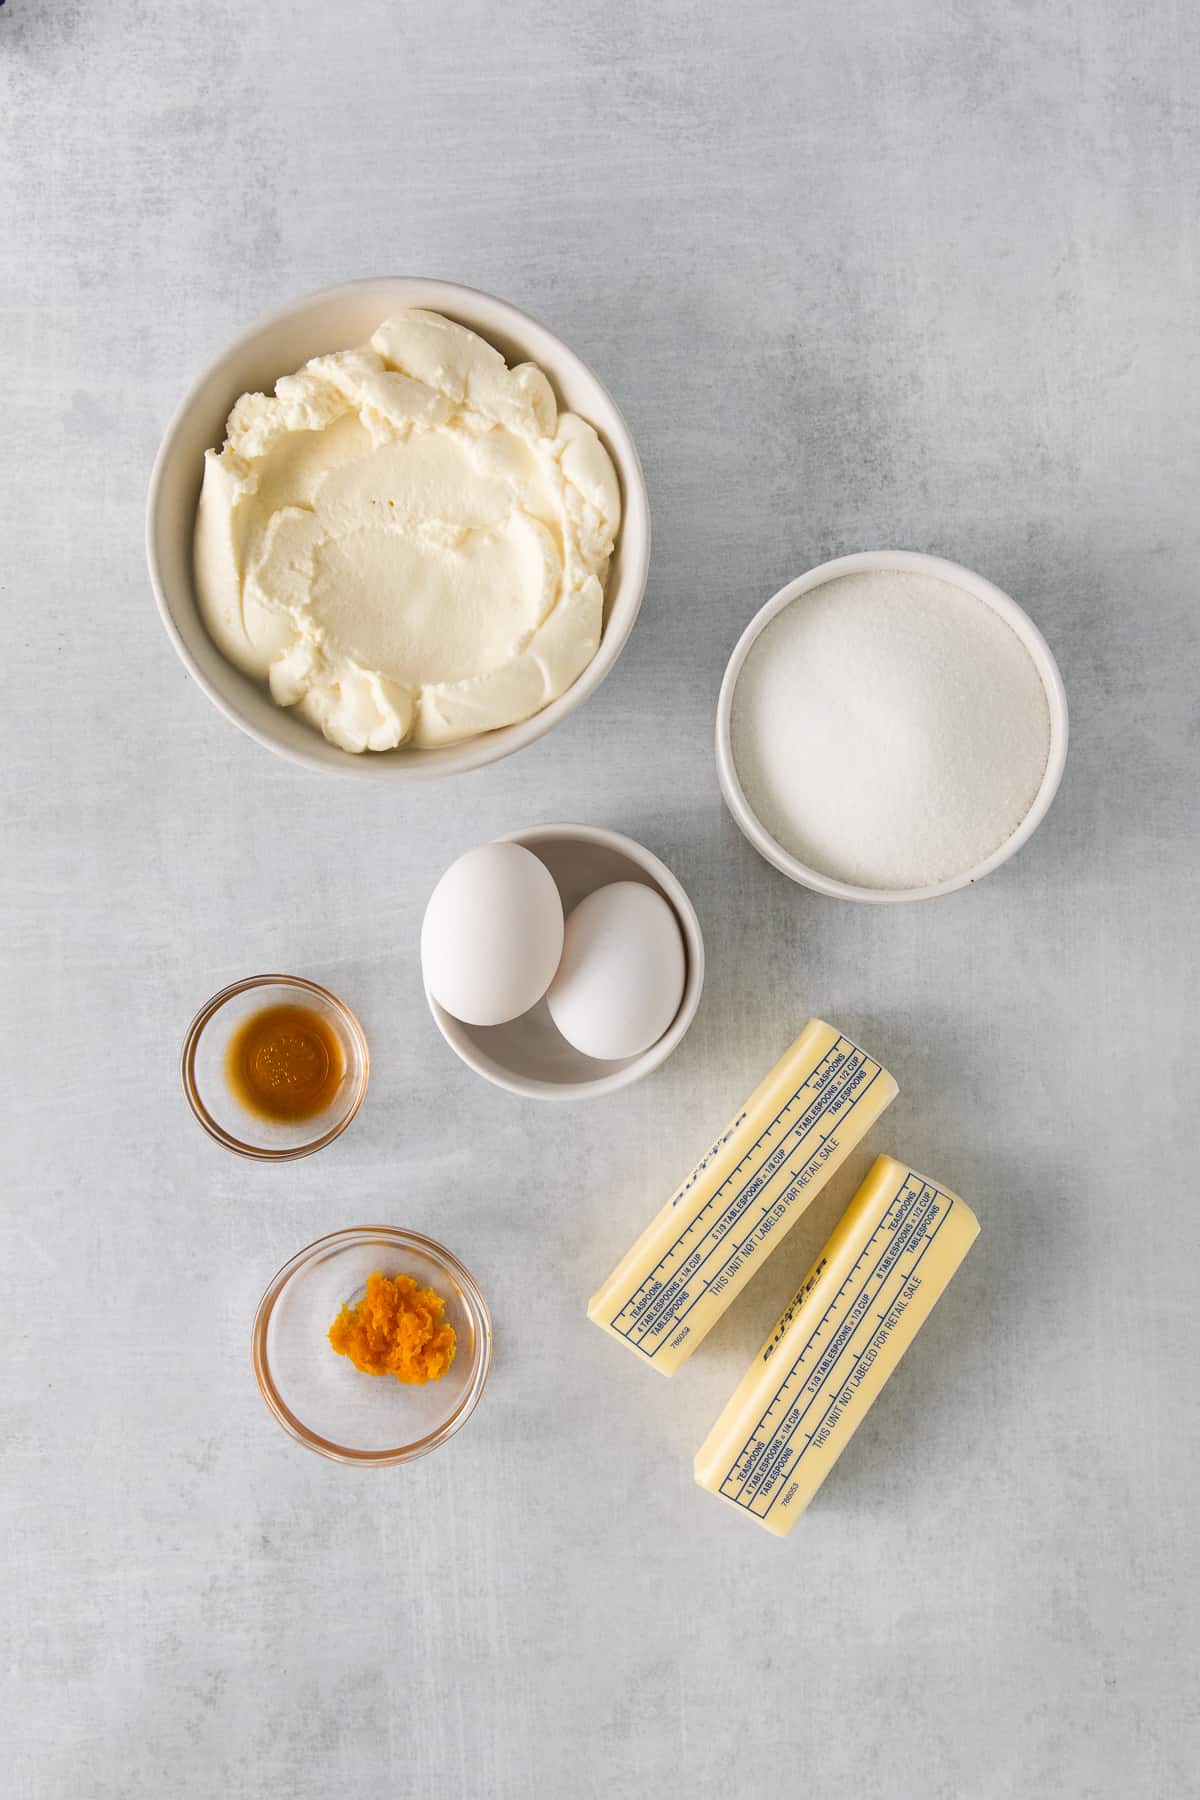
889, 729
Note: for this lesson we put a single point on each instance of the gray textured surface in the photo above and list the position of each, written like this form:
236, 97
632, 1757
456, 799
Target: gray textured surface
920, 274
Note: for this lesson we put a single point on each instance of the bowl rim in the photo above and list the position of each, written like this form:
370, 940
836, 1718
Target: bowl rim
481, 750
528, 1086
915, 562
481, 1320
191, 1091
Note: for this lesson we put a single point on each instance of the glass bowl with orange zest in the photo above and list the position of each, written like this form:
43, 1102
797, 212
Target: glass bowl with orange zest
372, 1345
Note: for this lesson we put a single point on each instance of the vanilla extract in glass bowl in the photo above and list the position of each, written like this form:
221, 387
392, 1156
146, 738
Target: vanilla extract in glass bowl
275, 1067
285, 1062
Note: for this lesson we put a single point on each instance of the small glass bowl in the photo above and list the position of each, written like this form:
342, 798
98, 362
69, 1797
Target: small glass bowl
218, 1108
319, 1397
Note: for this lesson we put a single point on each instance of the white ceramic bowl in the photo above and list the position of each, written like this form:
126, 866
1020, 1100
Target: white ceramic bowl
336, 319
529, 1055
913, 563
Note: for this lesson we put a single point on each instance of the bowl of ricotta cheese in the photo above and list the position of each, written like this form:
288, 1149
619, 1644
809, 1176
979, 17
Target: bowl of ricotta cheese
398, 530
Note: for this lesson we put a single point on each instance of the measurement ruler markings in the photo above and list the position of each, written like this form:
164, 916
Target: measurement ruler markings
853, 1061
710, 1155
893, 1218
816, 1373
895, 1225
794, 1464
924, 1196
652, 1319
777, 1465
763, 1178
871, 1339
645, 1294
801, 1168
775, 1449
658, 1307
669, 1297
769, 1167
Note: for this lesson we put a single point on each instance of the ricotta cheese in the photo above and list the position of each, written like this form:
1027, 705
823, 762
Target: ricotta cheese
408, 541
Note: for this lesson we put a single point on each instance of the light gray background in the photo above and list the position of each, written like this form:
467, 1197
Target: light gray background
868, 274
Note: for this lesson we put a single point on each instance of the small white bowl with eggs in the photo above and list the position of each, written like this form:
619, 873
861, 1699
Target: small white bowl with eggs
609, 950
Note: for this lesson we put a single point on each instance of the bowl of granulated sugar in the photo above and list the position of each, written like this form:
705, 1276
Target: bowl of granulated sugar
890, 727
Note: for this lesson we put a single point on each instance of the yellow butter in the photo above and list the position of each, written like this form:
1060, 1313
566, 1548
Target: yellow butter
862, 1303
797, 1127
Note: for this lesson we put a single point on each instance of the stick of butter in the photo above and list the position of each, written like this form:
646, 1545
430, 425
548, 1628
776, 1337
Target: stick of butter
797, 1127
861, 1305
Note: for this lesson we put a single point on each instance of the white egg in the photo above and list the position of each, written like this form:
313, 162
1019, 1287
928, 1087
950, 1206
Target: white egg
492, 934
622, 972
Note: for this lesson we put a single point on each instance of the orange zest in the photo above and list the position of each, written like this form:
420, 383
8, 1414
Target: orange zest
396, 1329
